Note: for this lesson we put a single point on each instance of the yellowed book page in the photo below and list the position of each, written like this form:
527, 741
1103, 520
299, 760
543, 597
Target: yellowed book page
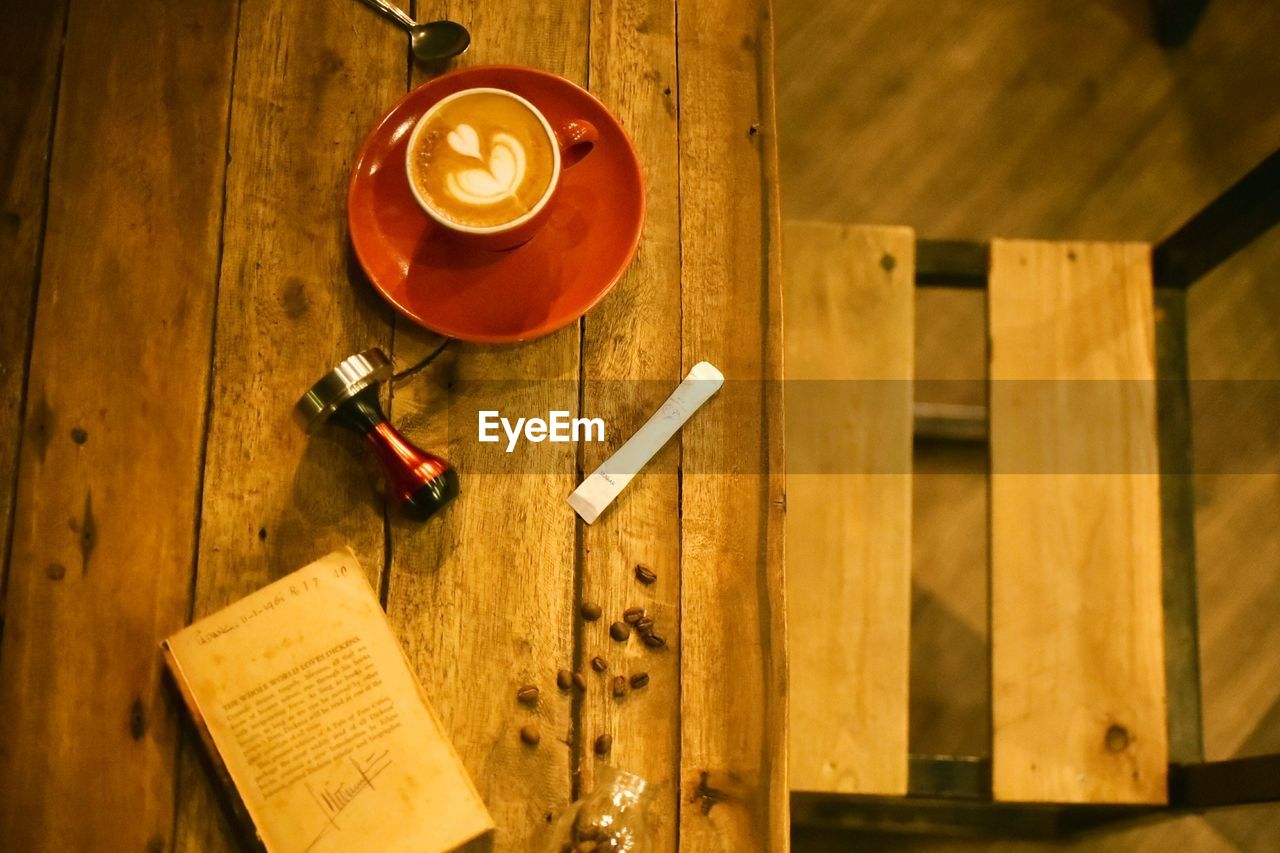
320, 722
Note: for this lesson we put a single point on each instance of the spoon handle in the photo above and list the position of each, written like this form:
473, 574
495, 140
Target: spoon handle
392, 12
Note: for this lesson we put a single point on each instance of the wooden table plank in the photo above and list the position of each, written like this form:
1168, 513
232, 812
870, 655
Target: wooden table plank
850, 341
310, 81
733, 636
1078, 692
110, 467
483, 598
631, 362
30, 57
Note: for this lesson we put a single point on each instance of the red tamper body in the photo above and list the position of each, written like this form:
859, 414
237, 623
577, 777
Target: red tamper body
422, 483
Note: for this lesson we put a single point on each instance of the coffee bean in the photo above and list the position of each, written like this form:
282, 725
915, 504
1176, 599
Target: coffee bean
655, 641
599, 664
604, 743
527, 694
588, 832
579, 681
590, 611
587, 847
530, 734
640, 679
644, 626
619, 631
564, 679
632, 615
645, 575
620, 686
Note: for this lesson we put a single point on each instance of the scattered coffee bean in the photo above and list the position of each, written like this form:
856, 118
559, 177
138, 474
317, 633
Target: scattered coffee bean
604, 743
530, 734
632, 615
640, 679
564, 679
620, 686
645, 575
588, 832
644, 626
579, 681
655, 641
619, 631
527, 694
599, 664
590, 611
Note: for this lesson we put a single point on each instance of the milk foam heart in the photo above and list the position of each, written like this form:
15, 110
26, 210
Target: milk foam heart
483, 159
493, 181
465, 140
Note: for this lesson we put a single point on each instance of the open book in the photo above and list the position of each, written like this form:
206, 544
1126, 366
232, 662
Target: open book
305, 699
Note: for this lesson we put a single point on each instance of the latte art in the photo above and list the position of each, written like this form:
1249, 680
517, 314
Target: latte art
492, 181
483, 159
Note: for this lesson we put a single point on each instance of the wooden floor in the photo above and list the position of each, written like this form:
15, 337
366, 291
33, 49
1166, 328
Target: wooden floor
1038, 118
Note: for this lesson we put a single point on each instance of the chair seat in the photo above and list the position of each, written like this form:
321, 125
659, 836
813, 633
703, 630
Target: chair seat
1077, 630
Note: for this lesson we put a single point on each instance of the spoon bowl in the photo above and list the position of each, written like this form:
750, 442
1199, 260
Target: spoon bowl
438, 41
434, 43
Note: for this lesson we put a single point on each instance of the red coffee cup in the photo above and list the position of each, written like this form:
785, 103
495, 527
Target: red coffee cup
569, 145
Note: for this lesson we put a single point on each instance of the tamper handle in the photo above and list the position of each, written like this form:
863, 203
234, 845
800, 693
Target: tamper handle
422, 483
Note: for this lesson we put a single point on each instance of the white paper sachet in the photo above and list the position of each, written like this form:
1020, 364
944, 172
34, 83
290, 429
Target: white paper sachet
605, 483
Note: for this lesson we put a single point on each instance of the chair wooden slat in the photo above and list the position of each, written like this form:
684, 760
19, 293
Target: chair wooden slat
849, 319
1078, 681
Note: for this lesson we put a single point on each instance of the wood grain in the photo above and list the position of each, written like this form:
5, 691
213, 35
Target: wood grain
878, 79
1117, 138
30, 57
631, 362
1078, 693
483, 597
733, 634
849, 321
109, 472
309, 83
1148, 168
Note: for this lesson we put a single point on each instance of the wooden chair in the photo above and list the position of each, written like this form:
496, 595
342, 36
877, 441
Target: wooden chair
1094, 690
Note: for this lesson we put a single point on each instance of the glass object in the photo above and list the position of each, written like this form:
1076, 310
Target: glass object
613, 818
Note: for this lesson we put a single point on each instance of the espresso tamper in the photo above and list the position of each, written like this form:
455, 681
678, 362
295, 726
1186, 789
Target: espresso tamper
422, 483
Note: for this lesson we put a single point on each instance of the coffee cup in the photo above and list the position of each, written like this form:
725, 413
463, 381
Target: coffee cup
485, 165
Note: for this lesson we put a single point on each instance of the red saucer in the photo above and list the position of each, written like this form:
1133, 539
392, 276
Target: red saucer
514, 295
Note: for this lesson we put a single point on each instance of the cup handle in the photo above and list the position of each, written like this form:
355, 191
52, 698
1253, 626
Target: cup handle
576, 139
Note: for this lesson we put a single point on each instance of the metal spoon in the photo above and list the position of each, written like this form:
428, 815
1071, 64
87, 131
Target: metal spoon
432, 43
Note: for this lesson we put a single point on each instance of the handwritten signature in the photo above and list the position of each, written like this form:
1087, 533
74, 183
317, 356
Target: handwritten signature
335, 795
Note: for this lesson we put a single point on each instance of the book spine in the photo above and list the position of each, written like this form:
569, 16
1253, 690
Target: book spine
229, 795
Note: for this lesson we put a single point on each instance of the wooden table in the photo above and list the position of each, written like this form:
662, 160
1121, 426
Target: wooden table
176, 271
